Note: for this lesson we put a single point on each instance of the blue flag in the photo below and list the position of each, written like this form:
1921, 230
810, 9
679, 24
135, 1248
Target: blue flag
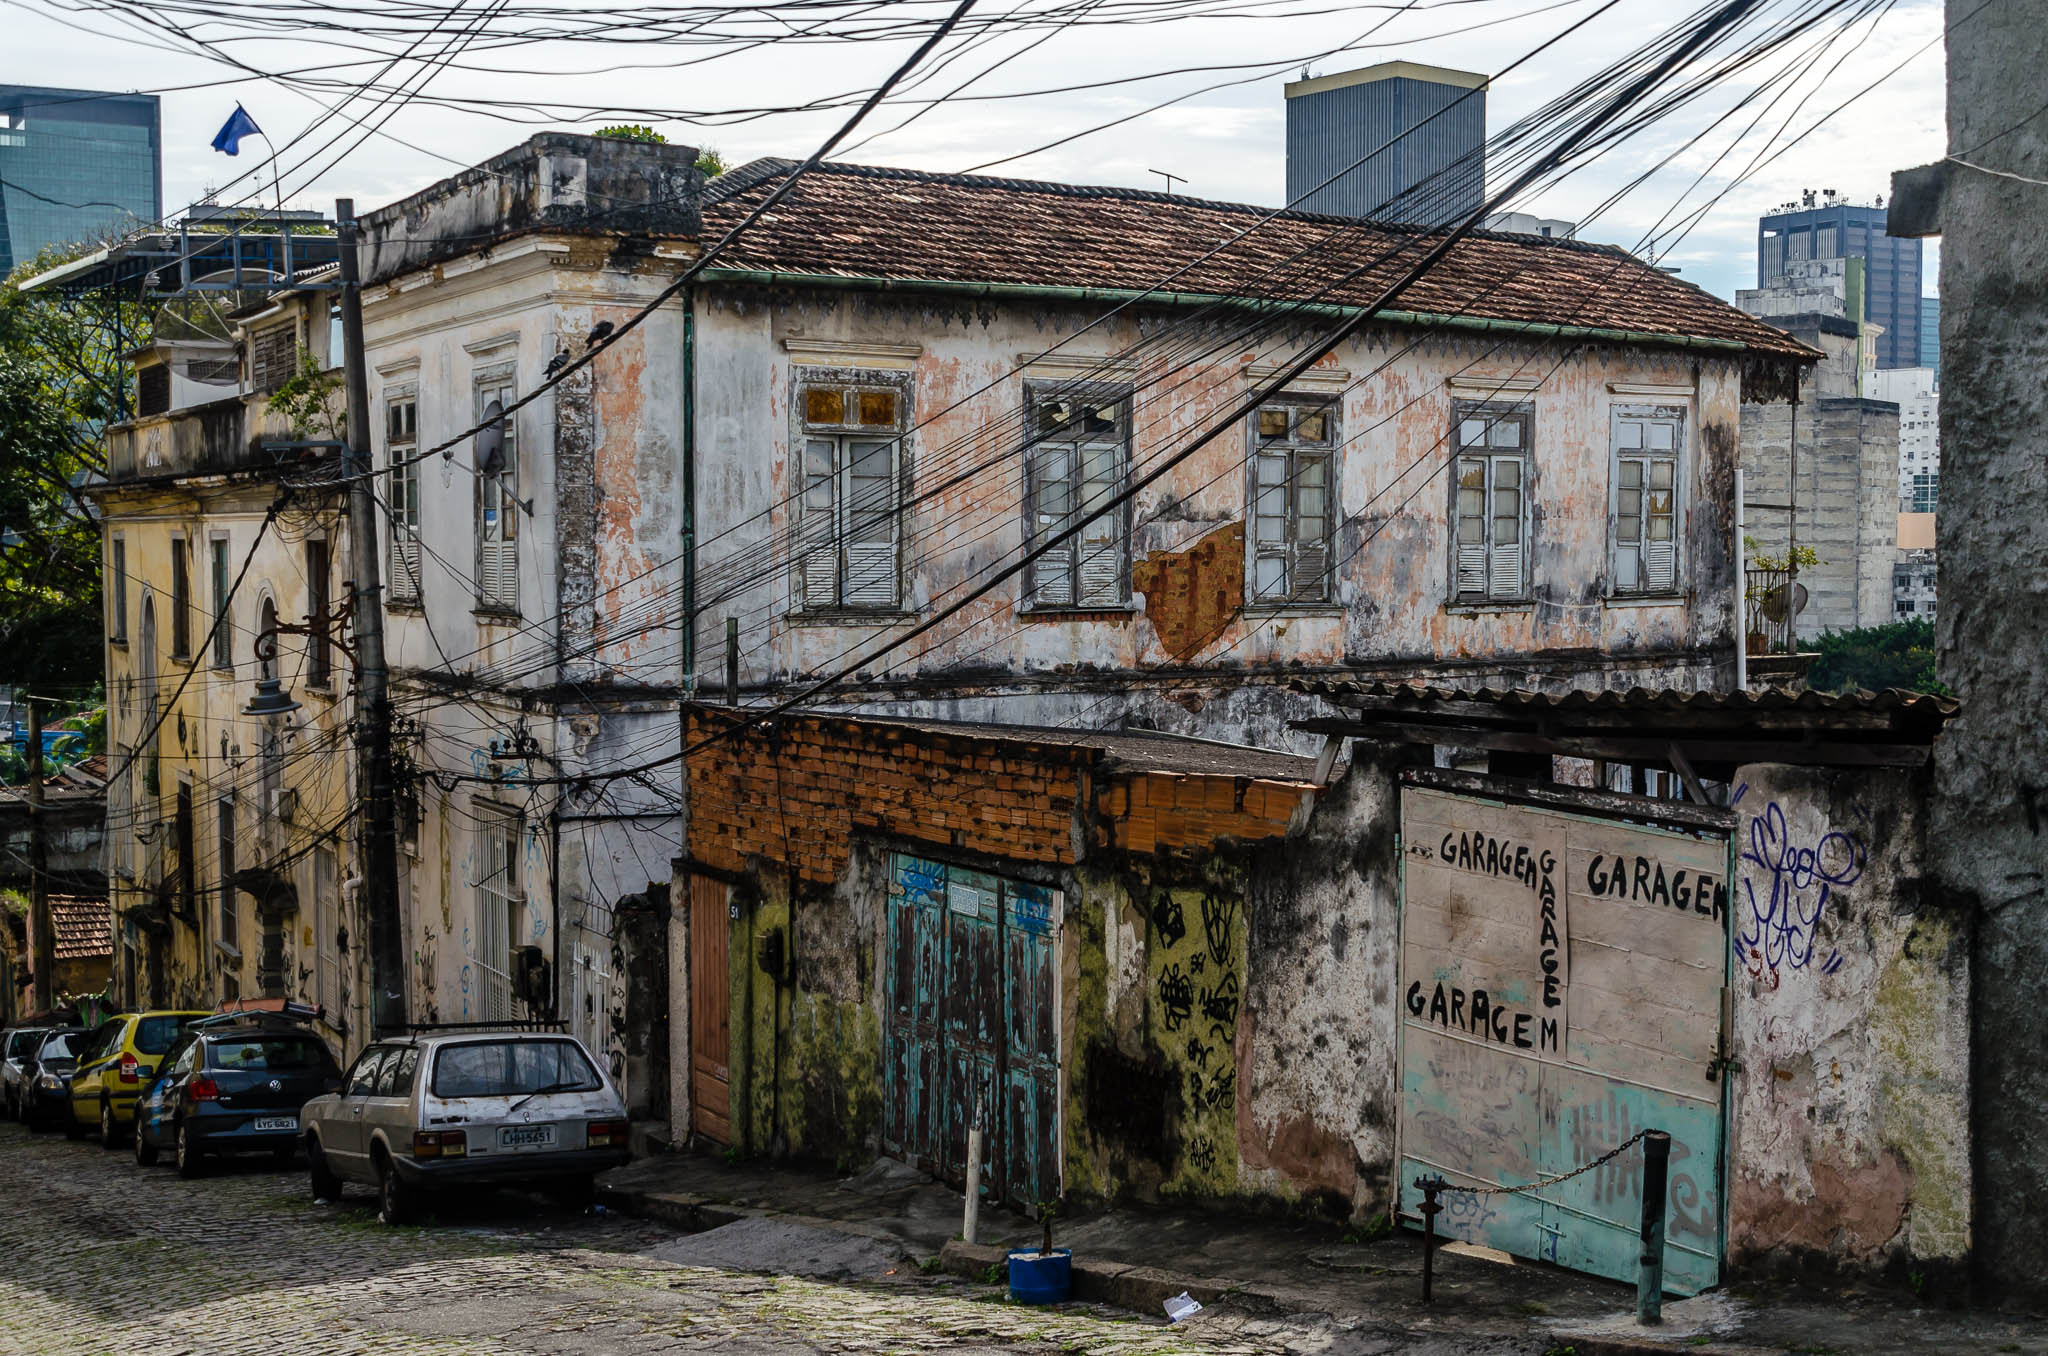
239, 125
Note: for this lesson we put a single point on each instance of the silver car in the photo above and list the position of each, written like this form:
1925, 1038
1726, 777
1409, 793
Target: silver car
17, 1046
467, 1108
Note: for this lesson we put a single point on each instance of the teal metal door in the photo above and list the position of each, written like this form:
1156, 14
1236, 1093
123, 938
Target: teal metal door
1562, 988
972, 1002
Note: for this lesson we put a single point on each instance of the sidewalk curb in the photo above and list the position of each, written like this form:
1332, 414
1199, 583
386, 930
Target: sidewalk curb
1609, 1344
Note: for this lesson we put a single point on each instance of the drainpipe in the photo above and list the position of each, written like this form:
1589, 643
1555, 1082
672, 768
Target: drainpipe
555, 904
689, 493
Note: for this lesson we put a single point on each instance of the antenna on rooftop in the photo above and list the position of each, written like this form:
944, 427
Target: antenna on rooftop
1171, 179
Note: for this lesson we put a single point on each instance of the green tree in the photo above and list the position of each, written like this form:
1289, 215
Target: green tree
63, 379
1897, 654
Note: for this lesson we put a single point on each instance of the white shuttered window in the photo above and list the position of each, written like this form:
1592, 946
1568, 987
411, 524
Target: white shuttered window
1291, 512
1490, 504
497, 502
401, 442
1076, 467
850, 497
1647, 446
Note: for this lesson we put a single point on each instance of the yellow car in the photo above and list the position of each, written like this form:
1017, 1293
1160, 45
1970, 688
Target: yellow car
119, 1059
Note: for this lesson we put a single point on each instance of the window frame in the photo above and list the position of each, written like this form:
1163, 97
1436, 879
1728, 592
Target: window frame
501, 533
1677, 416
219, 569
182, 602
1492, 411
1295, 451
117, 567
228, 934
497, 897
404, 515
1070, 593
319, 572
807, 600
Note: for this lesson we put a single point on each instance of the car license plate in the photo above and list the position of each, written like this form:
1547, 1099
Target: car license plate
276, 1123
526, 1137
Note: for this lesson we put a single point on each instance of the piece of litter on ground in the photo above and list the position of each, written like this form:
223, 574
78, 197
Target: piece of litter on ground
1182, 1306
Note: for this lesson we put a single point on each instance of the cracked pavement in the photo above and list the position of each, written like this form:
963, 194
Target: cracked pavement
98, 1256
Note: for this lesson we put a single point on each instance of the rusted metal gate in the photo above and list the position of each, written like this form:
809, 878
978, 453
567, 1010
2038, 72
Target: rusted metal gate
972, 1004
710, 1009
1562, 987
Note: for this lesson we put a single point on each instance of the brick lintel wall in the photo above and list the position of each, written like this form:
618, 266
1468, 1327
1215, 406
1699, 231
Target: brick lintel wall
800, 791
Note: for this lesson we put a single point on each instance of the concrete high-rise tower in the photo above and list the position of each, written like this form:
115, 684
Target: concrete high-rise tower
1420, 132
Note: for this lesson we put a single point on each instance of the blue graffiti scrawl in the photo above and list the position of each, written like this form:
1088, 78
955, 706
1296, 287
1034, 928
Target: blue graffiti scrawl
1788, 902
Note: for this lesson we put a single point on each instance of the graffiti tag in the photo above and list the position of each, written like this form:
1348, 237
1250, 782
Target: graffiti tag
1798, 881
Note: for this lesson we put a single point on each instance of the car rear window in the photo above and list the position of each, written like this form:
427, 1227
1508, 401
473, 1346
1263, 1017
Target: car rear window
273, 1054
153, 1035
512, 1068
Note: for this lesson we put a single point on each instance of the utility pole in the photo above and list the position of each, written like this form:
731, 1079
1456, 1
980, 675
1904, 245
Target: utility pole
42, 939
378, 833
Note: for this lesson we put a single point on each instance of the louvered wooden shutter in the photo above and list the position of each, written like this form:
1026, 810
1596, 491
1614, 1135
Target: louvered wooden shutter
870, 524
817, 533
1102, 566
1309, 562
1660, 565
1053, 492
1470, 516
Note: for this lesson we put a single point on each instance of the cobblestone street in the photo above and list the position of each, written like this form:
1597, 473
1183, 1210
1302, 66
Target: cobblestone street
99, 1257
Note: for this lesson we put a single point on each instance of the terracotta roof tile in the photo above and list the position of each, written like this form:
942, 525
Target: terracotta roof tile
866, 221
84, 926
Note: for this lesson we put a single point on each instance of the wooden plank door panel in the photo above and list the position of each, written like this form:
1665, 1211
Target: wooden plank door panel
1031, 1050
972, 1023
710, 1009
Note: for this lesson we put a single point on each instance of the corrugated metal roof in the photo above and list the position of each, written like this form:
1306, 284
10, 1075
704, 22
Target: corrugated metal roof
1820, 710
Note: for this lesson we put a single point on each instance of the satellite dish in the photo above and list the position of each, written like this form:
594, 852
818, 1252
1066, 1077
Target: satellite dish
490, 441
1774, 602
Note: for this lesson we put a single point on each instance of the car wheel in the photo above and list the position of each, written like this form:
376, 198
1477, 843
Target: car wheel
191, 1162
394, 1198
145, 1152
326, 1186
72, 1129
110, 1133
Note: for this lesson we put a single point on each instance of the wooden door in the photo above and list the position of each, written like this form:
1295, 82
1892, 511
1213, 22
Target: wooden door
710, 1009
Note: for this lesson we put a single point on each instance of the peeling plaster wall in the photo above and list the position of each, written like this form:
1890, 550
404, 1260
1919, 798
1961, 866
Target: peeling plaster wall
1322, 998
1850, 1130
588, 667
1389, 614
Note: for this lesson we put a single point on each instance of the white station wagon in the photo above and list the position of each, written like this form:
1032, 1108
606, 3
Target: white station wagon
466, 1108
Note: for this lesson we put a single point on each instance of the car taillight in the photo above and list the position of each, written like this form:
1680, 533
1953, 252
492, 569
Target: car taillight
439, 1144
203, 1090
606, 1135
129, 1070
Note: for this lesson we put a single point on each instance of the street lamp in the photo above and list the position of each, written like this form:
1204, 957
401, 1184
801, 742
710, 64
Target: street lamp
270, 700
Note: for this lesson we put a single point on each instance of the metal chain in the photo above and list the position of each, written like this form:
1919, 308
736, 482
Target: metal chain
1607, 1157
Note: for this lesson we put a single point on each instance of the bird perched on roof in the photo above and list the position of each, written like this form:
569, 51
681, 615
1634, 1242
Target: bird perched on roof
600, 332
557, 363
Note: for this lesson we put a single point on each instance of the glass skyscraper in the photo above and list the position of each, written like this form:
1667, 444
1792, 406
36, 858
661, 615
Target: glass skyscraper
1834, 229
75, 164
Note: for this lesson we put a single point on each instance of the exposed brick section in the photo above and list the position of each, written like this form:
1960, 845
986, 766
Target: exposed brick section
839, 776
1154, 811
1192, 596
801, 792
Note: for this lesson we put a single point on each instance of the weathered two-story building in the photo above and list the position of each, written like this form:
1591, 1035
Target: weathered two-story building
230, 824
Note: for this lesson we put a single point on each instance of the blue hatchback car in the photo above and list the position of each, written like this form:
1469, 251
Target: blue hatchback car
233, 1084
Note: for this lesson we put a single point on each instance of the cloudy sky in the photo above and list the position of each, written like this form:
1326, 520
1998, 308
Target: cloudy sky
1224, 135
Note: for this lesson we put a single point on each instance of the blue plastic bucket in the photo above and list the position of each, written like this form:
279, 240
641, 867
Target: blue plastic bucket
1041, 1278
